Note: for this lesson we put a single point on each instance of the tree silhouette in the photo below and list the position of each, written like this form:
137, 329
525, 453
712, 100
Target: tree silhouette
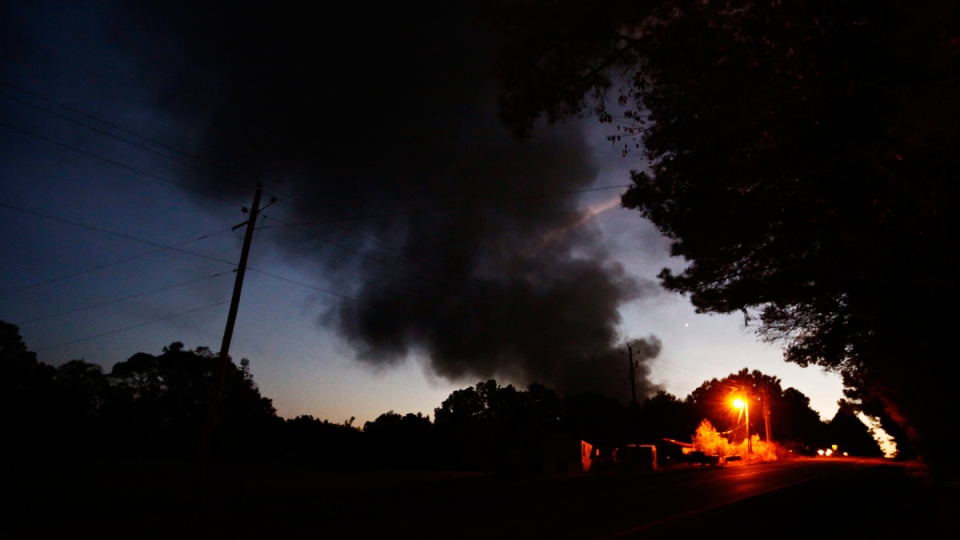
597, 419
26, 387
713, 400
665, 416
400, 442
320, 444
79, 395
793, 423
492, 427
851, 435
800, 156
163, 403
797, 426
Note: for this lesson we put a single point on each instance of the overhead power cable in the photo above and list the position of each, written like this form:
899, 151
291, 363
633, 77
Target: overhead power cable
149, 242
155, 142
119, 164
295, 282
393, 246
99, 304
341, 246
109, 264
113, 233
447, 208
125, 328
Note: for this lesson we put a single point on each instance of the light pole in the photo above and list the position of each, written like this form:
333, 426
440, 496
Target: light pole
745, 405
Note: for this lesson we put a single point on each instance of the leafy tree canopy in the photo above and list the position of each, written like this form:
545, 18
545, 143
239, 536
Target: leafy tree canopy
800, 155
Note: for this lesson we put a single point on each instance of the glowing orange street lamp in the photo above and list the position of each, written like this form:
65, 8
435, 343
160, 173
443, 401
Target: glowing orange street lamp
742, 404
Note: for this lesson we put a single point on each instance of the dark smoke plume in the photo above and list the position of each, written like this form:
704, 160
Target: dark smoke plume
381, 116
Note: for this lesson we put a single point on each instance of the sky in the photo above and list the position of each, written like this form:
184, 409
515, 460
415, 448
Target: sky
414, 248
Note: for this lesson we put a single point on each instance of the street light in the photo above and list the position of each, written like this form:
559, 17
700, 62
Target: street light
745, 405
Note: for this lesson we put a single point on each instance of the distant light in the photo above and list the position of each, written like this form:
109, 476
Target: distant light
738, 403
820, 452
829, 452
846, 454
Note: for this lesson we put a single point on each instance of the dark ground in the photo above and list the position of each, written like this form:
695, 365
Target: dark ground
822, 498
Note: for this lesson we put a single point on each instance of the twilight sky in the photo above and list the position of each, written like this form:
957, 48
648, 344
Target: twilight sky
415, 247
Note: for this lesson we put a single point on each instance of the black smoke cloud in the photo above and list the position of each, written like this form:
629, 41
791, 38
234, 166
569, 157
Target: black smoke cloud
361, 109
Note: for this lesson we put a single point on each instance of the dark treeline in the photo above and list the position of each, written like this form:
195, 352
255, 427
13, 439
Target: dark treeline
158, 408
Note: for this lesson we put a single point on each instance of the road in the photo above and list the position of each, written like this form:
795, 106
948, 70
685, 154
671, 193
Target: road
817, 498
822, 498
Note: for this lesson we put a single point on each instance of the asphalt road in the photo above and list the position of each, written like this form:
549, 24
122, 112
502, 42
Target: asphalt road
817, 498
841, 498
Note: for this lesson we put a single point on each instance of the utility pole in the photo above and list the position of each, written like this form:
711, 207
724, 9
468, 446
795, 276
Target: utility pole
766, 415
224, 358
746, 408
238, 284
633, 375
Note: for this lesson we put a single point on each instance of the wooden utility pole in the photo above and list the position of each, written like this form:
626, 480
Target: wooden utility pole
766, 415
746, 409
633, 375
216, 391
238, 284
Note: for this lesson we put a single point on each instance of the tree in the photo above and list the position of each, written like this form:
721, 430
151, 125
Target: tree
793, 423
498, 427
401, 442
797, 425
26, 387
309, 442
164, 402
851, 435
713, 400
79, 394
665, 416
800, 156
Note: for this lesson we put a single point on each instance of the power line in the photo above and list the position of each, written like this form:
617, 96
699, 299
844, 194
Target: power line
117, 163
163, 248
426, 210
91, 306
295, 282
107, 265
400, 250
123, 130
113, 233
393, 246
124, 329
345, 248
364, 234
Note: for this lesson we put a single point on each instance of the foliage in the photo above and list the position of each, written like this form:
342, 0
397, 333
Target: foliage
25, 389
157, 407
147, 407
793, 423
166, 402
851, 435
712, 443
319, 444
492, 427
714, 398
800, 155
401, 442
663, 415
